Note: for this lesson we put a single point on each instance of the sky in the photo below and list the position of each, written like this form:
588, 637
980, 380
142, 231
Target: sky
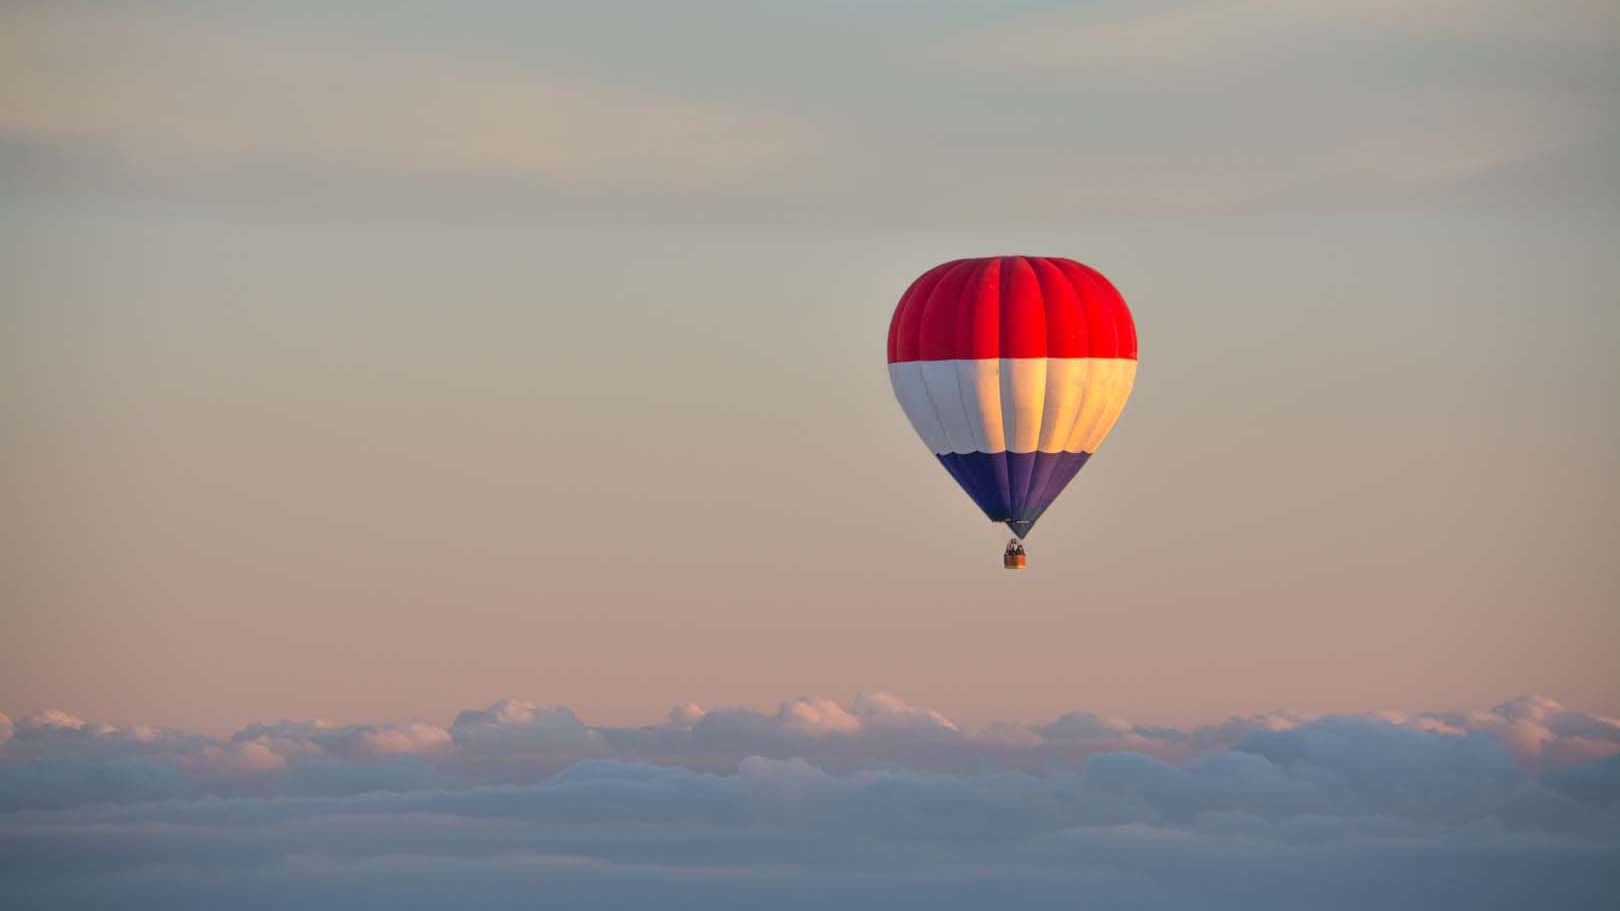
377, 363
365, 364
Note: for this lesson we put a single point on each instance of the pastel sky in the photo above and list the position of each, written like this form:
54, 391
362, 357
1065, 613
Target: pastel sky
376, 362
448, 457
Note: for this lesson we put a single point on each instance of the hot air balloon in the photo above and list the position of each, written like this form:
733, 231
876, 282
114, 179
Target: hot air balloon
1012, 369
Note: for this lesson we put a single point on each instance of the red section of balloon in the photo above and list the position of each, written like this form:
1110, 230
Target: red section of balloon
1011, 306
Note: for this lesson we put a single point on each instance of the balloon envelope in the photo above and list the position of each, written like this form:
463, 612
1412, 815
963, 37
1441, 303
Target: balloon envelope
1012, 369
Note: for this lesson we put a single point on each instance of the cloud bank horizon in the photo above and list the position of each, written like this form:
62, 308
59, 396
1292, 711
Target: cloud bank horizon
873, 802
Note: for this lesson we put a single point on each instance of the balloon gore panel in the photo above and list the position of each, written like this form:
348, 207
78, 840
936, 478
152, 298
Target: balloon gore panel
1014, 487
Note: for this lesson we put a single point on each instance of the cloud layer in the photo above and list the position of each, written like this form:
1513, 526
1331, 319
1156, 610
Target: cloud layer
1238, 105
870, 803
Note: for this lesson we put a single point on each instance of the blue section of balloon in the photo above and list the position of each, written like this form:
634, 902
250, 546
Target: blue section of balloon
1014, 487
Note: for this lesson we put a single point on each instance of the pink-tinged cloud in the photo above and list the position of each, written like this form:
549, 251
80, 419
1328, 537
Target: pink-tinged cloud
515, 726
519, 741
241, 757
817, 716
54, 718
1539, 731
873, 803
